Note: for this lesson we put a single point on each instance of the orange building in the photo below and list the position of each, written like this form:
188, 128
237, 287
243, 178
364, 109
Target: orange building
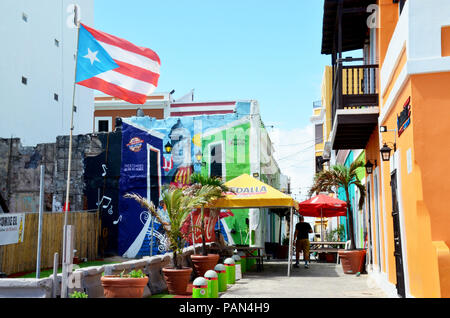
401, 106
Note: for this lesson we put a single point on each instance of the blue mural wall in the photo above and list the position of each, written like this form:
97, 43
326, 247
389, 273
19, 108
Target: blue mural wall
139, 173
156, 153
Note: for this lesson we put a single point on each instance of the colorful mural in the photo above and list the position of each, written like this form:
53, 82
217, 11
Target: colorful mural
168, 151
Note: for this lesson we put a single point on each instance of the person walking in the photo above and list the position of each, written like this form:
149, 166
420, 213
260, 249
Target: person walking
301, 235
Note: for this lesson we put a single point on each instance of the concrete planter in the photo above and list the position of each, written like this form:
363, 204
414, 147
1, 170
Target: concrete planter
26, 288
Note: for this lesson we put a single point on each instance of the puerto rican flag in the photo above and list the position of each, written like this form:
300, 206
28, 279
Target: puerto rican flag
116, 66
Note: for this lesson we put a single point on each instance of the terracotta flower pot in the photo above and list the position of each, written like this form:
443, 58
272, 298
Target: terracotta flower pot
352, 260
115, 286
177, 279
204, 263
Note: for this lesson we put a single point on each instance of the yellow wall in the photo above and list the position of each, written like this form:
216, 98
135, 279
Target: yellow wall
327, 94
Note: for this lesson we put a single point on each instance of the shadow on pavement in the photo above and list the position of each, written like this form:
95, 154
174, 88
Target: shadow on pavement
278, 268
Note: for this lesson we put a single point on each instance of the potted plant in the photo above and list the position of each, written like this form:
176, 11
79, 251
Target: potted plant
129, 285
208, 189
344, 177
178, 206
336, 235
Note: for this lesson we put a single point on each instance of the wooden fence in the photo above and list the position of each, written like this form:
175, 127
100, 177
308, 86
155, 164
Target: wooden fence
21, 257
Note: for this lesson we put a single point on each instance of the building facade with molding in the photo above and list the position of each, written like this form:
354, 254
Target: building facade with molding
37, 68
398, 103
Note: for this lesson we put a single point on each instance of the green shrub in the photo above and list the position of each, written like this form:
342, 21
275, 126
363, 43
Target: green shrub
77, 294
136, 274
133, 274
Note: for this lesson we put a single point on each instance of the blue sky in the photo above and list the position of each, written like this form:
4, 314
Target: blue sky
235, 49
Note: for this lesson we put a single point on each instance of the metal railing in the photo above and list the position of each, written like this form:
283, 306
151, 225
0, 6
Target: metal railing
354, 85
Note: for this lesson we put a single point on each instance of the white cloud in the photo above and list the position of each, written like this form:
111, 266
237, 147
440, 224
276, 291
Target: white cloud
294, 153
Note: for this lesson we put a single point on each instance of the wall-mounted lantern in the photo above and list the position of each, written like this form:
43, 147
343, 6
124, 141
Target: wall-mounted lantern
168, 147
369, 166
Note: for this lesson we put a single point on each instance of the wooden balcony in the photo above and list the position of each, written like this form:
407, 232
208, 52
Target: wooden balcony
355, 94
354, 104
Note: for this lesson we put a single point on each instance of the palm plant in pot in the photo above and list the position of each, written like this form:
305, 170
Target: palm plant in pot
209, 189
340, 176
178, 205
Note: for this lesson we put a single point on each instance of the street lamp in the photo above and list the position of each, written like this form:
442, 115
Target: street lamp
385, 152
369, 166
168, 147
198, 156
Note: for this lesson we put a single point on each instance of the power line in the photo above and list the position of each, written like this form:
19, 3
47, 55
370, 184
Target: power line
298, 166
301, 143
295, 153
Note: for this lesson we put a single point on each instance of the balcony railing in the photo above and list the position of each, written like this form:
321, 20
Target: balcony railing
354, 86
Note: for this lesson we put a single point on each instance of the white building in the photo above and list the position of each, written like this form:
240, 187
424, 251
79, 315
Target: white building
37, 65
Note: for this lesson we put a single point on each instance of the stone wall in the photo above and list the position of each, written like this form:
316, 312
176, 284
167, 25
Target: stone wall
26, 288
20, 172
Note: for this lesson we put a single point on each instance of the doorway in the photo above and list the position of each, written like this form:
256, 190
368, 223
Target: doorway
397, 239
216, 160
377, 219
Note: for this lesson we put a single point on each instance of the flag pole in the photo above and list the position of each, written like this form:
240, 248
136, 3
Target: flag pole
77, 24
66, 203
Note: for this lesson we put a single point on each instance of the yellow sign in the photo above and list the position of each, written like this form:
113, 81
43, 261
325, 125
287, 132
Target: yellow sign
252, 193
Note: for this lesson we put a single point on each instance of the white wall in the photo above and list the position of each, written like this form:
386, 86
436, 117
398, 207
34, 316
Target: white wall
30, 112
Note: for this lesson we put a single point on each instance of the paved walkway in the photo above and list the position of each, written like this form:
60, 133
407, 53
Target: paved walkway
320, 280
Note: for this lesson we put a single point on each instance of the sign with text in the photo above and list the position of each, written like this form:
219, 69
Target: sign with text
404, 118
12, 226
209, 220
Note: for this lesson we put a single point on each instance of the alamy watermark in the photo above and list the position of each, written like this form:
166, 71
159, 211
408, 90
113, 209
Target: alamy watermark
74, 16
373, 20
74, 277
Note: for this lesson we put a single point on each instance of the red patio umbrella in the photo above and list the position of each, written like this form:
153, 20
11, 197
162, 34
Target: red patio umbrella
321, 206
